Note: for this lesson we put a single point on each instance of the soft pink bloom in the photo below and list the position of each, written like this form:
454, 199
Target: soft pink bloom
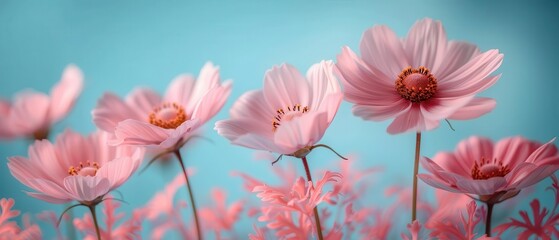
33, 113
495, 172
542, 224
165, 122
418, 80
289, 115
129, 229
75, 167
10, 229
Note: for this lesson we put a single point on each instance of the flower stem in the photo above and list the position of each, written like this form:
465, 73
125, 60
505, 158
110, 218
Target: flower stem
316, 218
94, 215
70, 230
192, 202
415, 171
488, 219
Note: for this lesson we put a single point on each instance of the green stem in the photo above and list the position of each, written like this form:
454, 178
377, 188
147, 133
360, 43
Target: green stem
94, 215
70, 230
316, 218
415, 171
192, 202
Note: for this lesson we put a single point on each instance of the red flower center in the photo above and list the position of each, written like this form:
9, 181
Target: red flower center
416, 84
488, 169
87, 169
168, 115
292, 112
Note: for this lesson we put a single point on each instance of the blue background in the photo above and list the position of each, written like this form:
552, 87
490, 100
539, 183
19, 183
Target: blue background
123, 44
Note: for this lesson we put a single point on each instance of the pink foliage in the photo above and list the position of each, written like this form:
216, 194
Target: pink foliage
220, 217
129, 229
463, 229
10, 229
543, 223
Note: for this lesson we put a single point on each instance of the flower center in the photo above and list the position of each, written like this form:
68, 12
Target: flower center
168, 115
87, 169
416, 84
292, 112
488, 169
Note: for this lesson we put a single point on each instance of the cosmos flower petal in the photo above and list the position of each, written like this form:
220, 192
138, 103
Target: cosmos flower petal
437, 183
437, 108
208, 78
134, 132
426, 44
477, 107
472, 76
381, 47
87, 188
48, 198
381, 112
285, 86
65, 93
411, 120
457, 54
111, 110
180, 90
212, 102
482, 186
29, 112
322, 81
143, 100
302, 132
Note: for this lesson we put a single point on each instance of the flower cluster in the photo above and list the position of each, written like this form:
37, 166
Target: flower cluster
418, 81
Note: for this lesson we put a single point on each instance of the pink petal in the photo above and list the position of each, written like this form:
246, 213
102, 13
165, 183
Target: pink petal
448, 162
426, 44
212, 102
457, 54
207, 79
471, 77
181, 133
380, 47
180, 91
477, 107
473, 149
30, 113
513, 151
86, 188
65, 93
437, 183
536, 175
48, 198
382, 112
258, 142
412, 120
51, 189
322, 82
482, 187
252, 111
111, 110
330, 105
134, 132
143, 101
301, 132
545, 151
441, 108
118, 170
284, 86
72, 149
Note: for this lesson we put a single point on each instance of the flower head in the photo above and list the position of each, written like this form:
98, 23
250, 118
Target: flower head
494, 172
289, 115
75, 168
418, 80
32, 113
145, 118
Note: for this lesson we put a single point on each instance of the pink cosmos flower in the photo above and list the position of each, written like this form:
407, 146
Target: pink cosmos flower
33, 113
418, 80
289, 115
495, 172
75, 168
145, 118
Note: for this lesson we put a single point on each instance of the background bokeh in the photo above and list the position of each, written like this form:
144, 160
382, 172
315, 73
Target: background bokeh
120, 45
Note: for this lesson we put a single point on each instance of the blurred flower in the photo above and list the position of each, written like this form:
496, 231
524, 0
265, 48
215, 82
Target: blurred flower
129, 229
221, 217
75, 168
494, 172
460, 228
418, 80
32, 113
10, 229
289, 115
146, 119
